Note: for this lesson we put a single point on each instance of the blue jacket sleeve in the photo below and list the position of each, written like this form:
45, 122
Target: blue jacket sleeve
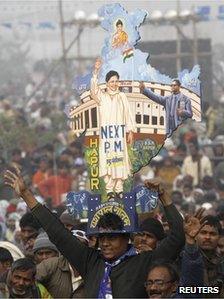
155, 97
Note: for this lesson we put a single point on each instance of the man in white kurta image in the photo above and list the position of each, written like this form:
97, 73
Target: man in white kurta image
115, 120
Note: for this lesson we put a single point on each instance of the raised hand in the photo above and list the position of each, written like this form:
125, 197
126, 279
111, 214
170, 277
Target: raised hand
158, 186
193, 224
141, 87
98, 64
14, 179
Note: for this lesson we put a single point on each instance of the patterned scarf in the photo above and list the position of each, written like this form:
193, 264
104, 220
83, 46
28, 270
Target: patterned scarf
105, 284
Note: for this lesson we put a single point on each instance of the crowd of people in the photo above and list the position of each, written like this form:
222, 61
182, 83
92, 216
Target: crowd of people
46, 253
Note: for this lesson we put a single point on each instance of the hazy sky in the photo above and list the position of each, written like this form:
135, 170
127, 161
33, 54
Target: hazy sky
48, 42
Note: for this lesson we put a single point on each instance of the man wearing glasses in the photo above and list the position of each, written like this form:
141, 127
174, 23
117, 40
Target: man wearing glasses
177, 105
163, 279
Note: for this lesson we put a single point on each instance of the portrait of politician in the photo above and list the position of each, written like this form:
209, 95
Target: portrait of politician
177, 105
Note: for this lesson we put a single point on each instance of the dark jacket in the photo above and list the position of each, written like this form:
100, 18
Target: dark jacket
214, 271
192, 270
129, 276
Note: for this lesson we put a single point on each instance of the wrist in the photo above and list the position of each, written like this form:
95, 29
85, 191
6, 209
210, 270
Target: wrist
26, 192
165, 198
189, 240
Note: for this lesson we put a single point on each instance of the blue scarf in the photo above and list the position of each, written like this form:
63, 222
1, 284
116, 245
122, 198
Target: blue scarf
105, 284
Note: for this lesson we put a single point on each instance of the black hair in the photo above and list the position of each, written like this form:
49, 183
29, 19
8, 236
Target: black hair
110, 221
5, 255
208, 179
194, 141
80, 226
119, 22
177, 81
187, 185
180, 197
77, 144
214, 222
29, 220
210, 196
24, 264
16, 151
66, 152
48, 147
111, 74
63, 164
170, 268
182, 146
43, 159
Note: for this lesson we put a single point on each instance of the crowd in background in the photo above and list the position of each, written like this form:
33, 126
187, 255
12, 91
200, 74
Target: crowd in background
191, 165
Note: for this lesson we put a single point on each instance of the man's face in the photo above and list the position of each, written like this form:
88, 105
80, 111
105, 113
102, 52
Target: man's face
92, 241
208, 238
43, 165
113, 83
168, 162
11, 224
16, 157
158, 283
192, 149
21, 281
145, 241
63, 171
112, 245
175, 88
28, 246
187, 191
197, 196
5, 266
221, 246
28, 232
44, 254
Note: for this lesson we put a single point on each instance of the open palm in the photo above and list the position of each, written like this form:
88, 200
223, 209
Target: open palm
15, 180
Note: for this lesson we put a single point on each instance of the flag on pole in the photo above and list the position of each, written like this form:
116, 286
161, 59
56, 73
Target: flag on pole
127, 54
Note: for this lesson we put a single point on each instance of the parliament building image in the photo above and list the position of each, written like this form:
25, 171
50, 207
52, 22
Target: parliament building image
149, 116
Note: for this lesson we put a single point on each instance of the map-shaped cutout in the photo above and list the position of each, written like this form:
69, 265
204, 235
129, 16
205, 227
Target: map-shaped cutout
126, 127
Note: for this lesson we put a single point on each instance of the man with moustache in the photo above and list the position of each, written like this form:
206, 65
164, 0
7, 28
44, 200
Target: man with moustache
207, 241
21, 281
150, 234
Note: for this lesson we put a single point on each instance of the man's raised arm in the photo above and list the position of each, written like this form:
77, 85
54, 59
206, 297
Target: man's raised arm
151, 95
73, 250
171, 246
95, 90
